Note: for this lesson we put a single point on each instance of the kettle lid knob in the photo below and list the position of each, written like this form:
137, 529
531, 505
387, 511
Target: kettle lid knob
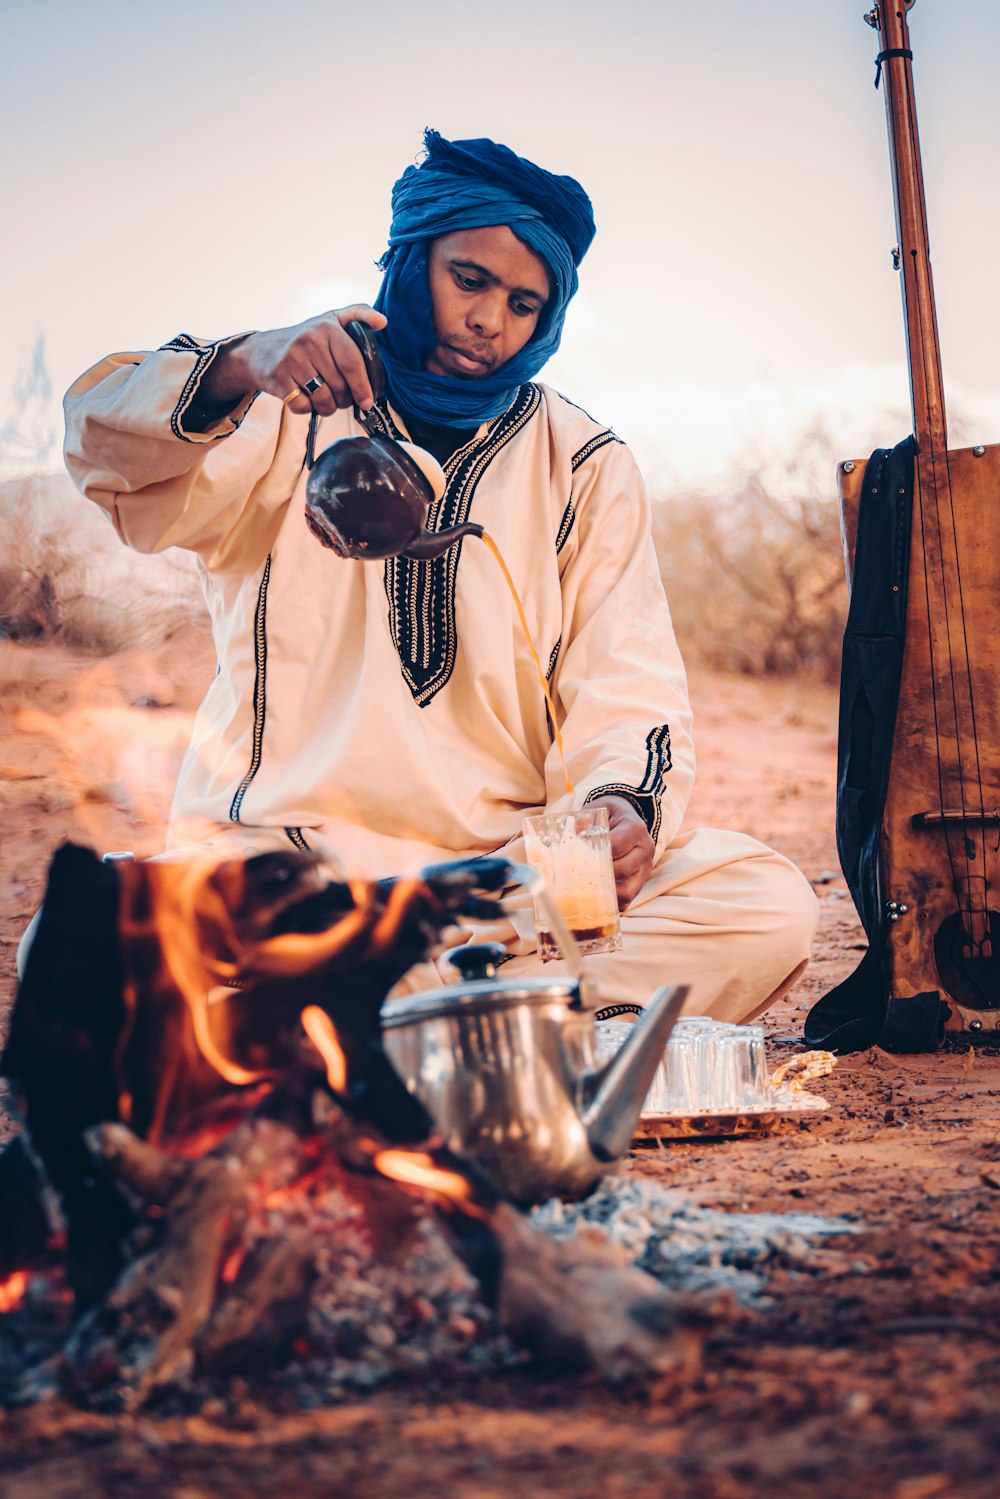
479, 960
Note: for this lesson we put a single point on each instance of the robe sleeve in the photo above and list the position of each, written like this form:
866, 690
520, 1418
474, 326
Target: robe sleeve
133, 445
619, 678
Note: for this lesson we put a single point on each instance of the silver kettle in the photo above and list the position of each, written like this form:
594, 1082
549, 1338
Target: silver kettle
510, 1073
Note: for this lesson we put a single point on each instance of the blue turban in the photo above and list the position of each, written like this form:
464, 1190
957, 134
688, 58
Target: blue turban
469, 185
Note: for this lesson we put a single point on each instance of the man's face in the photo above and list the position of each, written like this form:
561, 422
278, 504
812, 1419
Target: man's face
488, 291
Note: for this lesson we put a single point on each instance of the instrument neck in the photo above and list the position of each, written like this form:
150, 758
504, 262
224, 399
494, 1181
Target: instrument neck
923, 348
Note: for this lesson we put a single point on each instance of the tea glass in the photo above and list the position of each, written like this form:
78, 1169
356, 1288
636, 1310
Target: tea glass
708, 1066
572, 853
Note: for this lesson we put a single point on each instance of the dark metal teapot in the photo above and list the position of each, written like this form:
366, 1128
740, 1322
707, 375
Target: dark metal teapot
368, 497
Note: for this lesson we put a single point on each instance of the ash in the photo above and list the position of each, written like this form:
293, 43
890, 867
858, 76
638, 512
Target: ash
376, 1316
404, 1310
398, 1306
694, 1249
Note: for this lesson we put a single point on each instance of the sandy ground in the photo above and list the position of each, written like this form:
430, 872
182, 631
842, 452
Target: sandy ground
875, 1369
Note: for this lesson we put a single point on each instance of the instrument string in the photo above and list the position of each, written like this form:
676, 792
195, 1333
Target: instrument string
938, 457
922, 499
939, 758
968, 660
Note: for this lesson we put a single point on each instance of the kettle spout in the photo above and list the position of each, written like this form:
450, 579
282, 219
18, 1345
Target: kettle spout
623, 1083
433, 543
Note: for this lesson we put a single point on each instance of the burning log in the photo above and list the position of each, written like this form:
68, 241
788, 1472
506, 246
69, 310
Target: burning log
184, 1301
161, 995
196, 1300
176, 1034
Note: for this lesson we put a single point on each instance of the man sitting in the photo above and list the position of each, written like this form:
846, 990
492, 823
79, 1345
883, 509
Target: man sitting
387, 714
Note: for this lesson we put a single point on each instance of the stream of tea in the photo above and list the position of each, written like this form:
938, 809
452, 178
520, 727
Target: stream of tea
560, 747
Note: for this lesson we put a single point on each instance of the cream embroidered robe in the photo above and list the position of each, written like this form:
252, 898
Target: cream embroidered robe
391, 710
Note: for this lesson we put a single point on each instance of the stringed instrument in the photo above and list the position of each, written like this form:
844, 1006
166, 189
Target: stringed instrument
939, 850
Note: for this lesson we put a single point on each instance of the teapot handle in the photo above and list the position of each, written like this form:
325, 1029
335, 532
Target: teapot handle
365, 340
611, 1012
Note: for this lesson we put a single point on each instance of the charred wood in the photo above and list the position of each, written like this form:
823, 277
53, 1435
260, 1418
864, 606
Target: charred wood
26, 1226
170, 1082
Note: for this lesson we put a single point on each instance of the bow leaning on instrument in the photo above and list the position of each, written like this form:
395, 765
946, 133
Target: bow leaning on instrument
918, 812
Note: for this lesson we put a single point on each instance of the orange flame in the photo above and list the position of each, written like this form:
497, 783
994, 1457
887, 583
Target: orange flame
183, 934
165, 906
401, 897
295, 953
12, 1290
415, 1169
178, 910
319, 1028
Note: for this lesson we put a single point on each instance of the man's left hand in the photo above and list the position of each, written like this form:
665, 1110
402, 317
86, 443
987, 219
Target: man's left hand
632, 848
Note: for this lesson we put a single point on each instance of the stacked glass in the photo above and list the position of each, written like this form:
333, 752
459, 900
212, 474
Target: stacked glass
708, 1066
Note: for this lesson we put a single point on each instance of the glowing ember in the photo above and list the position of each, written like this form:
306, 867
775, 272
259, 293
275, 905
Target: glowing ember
231, 1265
302, 1186
12, 1290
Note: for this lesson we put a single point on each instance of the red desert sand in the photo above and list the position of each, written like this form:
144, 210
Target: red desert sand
873, 1366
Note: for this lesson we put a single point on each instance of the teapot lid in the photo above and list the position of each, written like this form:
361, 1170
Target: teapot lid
479, 989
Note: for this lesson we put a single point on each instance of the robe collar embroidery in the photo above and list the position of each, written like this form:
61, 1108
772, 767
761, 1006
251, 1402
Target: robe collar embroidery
421, 593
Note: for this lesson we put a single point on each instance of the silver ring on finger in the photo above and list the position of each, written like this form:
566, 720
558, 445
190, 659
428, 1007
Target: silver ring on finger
312, 386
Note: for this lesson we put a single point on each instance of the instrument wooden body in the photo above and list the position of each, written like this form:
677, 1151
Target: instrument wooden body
915, 861
940, 841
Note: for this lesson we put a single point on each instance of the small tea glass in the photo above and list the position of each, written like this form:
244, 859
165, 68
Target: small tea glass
709, 1066
572, 853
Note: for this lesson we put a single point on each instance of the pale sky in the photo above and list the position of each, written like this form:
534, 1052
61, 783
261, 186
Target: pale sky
207, 167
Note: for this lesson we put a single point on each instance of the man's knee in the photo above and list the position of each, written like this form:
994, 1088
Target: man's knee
768, 916
795, 907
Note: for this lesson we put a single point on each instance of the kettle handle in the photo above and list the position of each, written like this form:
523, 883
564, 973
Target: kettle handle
363, 336
611, 1012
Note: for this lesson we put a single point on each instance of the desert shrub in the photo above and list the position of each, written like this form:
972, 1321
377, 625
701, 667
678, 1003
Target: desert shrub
756, 583
65, 575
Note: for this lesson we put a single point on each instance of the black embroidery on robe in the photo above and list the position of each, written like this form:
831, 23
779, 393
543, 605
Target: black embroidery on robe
553, 659
259, 692
295, 836
565, 526
421, 593
645, 797
599, 440
185, 344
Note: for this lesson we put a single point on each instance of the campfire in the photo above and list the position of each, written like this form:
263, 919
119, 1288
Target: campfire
217, 1153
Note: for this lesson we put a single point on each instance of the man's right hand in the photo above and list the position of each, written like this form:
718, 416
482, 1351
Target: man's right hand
283, 359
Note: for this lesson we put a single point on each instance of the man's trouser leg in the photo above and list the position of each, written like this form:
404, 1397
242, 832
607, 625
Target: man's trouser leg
721, 913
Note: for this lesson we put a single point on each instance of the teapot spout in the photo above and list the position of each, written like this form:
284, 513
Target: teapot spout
623, 1083
433, 543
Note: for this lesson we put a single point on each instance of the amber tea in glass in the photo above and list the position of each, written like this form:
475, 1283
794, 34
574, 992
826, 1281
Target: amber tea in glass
572, 853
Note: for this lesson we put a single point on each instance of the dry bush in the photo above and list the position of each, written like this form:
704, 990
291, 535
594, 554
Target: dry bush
65, 576
756, 583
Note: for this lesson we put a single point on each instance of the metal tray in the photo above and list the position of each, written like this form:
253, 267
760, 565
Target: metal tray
710, 1124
